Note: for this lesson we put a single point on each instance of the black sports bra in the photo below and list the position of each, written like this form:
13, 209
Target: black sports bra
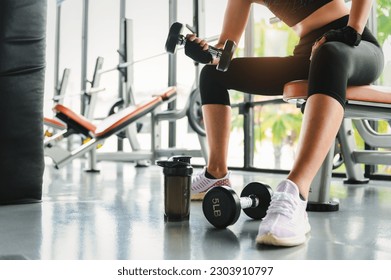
293, 11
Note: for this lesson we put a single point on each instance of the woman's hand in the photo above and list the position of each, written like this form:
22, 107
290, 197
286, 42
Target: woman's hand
347, 35
197, 49
194, 38
197, 45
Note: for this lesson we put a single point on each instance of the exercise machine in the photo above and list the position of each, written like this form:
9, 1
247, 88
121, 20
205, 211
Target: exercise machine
97, 134
51, 124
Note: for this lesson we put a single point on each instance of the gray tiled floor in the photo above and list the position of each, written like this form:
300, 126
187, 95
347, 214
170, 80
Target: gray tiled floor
118, 214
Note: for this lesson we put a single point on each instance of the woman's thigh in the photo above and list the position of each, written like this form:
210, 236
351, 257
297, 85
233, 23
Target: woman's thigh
336, 65
253, 75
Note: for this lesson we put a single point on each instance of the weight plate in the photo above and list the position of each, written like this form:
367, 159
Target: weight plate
221, 206
194, 113
264, 194
226, 56
173, 37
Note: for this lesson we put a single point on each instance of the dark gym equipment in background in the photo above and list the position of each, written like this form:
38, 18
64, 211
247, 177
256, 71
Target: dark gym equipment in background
22, 69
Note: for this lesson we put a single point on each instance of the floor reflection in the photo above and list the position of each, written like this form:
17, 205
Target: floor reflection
118, 214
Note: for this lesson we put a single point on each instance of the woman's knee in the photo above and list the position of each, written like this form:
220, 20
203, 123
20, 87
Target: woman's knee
333, 54
212, 88
329, 71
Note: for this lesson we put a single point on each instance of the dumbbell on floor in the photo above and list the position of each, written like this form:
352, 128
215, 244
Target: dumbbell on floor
221, 205
175, 38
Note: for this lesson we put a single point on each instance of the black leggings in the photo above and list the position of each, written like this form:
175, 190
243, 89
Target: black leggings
334, 66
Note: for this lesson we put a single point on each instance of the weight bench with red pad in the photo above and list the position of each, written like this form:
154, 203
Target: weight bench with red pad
113, 124
369, 102
53, 123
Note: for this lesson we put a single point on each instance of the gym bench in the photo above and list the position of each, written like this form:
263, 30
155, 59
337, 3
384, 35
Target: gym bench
97, 134
53, 123
369, 102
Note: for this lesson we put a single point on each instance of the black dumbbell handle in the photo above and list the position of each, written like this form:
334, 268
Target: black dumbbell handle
215, 51
250, 201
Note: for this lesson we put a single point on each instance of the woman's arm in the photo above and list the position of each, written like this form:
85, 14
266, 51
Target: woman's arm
235, 20
358, 18
359, 14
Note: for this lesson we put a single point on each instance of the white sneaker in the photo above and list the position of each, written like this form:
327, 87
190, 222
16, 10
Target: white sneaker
286, 221
201, 184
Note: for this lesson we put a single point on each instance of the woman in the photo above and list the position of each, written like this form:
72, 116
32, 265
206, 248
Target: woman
335, 50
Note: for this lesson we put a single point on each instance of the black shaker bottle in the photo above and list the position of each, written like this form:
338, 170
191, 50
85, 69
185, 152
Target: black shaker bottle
177, 183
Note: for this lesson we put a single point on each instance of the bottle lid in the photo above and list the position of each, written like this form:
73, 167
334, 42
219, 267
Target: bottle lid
176, 166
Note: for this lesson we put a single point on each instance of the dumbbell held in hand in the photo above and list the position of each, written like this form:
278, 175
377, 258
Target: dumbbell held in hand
225, 55
221, 205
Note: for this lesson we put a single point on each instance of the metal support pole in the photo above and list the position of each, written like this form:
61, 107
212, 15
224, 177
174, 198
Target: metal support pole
172, 59
248, 113
172, 74
319, 196
122, 48
57, 50
199, 17
125, 81
122, 58
372, 25
84, 52
372, 21
84, 80
346, 139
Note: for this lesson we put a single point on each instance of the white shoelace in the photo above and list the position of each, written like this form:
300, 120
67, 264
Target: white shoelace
282, 203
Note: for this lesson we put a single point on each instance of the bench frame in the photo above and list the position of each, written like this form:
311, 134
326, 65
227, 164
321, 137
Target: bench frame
357, 112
